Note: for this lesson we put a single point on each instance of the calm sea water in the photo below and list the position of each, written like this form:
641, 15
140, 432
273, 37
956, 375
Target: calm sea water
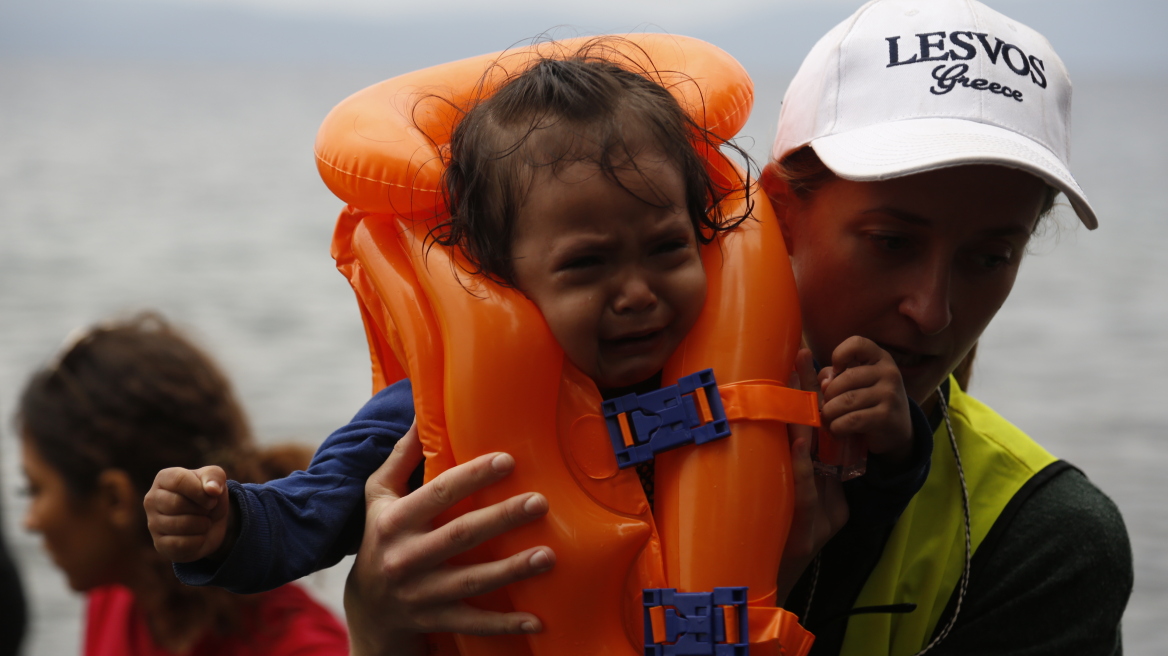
192, 189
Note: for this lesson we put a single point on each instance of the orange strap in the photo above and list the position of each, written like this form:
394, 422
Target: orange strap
770, 625
768, 400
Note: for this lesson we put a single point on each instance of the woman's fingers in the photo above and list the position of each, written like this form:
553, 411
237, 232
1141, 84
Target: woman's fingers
835, 504
420, 507
456, 583
463, 618
805, 371
807, 499
391, 479
435, 604
403, 560
472, 529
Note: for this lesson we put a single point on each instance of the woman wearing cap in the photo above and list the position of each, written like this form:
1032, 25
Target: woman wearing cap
920, 145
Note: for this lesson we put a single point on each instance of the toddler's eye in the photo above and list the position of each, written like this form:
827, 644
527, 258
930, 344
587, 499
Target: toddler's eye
671, 246
582, 262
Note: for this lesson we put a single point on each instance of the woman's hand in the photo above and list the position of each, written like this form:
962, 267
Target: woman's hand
401, 586
820, 507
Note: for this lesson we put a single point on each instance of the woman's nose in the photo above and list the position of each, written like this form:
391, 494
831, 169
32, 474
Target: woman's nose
927, 301
634, 294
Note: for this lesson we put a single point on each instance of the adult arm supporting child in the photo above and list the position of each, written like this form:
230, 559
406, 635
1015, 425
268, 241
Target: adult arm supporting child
400, 586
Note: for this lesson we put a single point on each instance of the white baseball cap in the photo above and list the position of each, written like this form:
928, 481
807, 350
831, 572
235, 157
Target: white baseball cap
908, 86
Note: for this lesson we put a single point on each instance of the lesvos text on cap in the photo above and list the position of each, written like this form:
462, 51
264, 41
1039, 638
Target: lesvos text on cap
907, 86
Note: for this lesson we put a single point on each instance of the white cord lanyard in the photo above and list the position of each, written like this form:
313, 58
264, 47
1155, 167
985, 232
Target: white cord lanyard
963, 584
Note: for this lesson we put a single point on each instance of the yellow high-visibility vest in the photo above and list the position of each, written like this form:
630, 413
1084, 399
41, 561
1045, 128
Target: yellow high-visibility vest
922, 561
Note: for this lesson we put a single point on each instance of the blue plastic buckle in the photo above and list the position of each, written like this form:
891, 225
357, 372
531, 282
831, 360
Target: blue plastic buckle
695, 622
665, 419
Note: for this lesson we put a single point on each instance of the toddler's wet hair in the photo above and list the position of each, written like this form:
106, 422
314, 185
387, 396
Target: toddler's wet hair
565, 109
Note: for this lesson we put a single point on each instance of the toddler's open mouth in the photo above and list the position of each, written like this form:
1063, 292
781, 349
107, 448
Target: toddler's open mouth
633, 341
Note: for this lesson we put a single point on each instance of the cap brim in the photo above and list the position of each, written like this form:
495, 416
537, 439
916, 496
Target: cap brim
900, 148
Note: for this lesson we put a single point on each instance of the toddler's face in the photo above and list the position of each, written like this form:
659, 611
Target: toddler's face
615, 271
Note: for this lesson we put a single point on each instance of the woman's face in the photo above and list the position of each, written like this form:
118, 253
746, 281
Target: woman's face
83, 536
918, 264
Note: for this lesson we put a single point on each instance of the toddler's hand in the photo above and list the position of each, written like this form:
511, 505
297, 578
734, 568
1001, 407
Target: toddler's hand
864, 399
820, 507
189, 513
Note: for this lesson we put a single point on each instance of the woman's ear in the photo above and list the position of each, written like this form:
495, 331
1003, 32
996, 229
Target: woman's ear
778, 192
118, 498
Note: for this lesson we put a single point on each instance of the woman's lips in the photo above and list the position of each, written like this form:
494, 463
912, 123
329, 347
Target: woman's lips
908, 360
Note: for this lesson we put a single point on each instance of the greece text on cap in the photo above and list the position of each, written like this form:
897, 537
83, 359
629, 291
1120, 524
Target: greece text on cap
933, 48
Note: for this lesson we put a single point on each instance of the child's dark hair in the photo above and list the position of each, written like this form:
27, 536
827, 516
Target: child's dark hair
593, 108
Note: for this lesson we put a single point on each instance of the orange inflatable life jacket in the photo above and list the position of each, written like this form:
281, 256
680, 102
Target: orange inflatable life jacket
488, 376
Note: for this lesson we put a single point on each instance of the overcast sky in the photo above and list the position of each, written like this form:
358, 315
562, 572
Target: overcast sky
684, 12
1113, 37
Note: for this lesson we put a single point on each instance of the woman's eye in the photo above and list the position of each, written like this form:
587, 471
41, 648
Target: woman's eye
889, 242
994, 260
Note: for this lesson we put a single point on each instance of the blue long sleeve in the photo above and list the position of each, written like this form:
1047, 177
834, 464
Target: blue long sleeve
308, 521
